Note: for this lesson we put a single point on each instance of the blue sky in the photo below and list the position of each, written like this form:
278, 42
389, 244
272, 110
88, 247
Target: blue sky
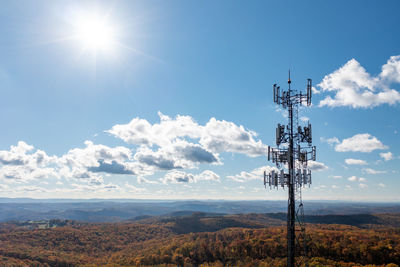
174, 99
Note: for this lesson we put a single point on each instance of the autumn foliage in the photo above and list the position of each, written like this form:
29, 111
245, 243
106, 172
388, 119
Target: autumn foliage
159, 243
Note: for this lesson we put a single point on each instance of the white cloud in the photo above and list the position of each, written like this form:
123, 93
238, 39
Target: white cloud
391, 70
360, 143
22, 162
335, 187
30, 188
176, 177
304, 119
355, 162
223, 136
281, 111
336, 176
357, 179
355, 87
363, 185
330, 141
4, 187
172, 144
381, 185
386, 155
215, 136
141, 132
352, 178
315, 90
256, 174
92, 187
372, 171
317, 166
90, 161
133, 189
17, 154
178, 155
141, 180
207, 175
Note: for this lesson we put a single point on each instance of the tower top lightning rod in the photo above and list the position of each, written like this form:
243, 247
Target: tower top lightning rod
294, 150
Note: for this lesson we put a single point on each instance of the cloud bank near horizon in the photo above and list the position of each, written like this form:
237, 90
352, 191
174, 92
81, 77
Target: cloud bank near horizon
166, 149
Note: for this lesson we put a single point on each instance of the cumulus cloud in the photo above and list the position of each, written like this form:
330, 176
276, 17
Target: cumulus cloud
176, 177
23, 162
133, 189
391, 70
386, 155
317, 166
90, 162
355, 162
141, 179
113, 168
352, 179
195, 153
92, 159
361, 185
158, 159
223, 136
372, 171
181, 143
178, 155
256, 174
353, 86
215, 136
98, 188
360, 143
4, 188
173, 145
30, 188
381, 185
356, 179
141, 132
208, 175
330, 141
18, 155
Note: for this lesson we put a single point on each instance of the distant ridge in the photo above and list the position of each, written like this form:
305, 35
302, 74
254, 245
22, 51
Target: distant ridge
100, 210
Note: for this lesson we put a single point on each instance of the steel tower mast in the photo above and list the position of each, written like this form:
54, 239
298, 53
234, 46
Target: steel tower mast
291, 160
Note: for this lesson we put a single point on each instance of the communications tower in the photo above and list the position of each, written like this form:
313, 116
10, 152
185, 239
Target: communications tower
294, 150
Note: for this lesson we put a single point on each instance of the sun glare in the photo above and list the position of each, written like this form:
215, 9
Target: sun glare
95, 33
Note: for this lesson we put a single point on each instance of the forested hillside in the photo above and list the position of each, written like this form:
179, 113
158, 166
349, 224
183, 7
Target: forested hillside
199, 240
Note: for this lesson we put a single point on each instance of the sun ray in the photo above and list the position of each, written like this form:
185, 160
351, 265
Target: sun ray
139, 52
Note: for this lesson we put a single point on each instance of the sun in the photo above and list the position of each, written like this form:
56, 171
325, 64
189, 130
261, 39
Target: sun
95, 33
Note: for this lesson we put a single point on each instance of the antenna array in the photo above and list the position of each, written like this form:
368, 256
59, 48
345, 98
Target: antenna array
294, 150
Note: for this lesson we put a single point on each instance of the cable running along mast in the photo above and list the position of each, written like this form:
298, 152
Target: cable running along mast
294, 150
